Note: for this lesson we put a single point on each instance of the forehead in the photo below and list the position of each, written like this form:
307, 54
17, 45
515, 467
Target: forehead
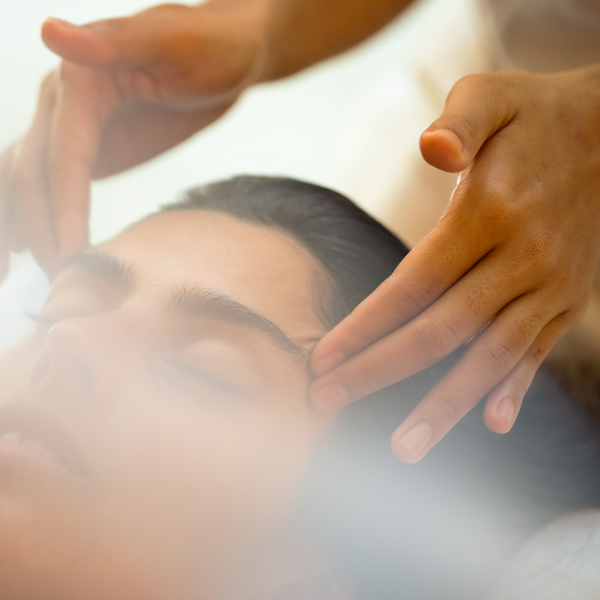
261, 267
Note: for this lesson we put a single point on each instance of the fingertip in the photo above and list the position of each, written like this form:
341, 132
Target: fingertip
412, 445
56, 30
70, 246
327, 396
48, 263
499, 414
403, 454
444, 150
322, 363
52, 24
72, 233
76, 43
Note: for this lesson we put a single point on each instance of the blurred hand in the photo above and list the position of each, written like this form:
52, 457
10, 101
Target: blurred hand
127, 90
507, 271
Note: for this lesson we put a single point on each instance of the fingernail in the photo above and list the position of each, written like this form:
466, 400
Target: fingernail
330, 397
506, 409
328, 362
417, 438
453, 139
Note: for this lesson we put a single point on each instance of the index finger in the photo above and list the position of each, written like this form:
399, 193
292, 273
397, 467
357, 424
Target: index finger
73, 147
26, 185
430, 269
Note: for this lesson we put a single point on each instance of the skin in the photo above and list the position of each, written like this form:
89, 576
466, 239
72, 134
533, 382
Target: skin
184, 495
525, 146
129, 89
508, 270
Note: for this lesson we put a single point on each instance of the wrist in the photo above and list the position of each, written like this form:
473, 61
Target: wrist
250, 27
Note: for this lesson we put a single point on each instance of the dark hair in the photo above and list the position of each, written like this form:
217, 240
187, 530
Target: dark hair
356, 252
385, 520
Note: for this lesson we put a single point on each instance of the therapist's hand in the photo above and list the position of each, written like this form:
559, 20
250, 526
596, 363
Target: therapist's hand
507, 271
127, 90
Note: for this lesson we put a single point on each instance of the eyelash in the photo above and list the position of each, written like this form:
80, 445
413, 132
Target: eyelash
207, 377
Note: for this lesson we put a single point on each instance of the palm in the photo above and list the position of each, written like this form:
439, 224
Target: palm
127, 90
143, 122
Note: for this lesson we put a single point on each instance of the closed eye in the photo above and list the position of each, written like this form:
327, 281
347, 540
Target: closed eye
202, 376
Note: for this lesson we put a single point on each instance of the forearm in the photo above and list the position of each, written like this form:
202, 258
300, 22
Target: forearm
304, 32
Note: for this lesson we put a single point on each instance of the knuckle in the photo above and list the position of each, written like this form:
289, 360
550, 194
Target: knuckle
472, 81
487, 85
550, 336
447, 409
488, 205
415, 297
499, 356
518, 385
499, 86
577, 312
569, 288
370, 379
360, 336
538, 352
537, 253
508, 79
464, 126
499, 213
529, 259
436, 338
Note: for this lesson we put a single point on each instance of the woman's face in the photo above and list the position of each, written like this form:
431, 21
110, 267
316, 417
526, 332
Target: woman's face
154, 420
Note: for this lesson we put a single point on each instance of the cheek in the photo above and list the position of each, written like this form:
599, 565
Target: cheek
212, 483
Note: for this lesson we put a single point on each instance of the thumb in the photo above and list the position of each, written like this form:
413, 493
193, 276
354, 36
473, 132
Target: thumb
84, 44
123, 42
477, 107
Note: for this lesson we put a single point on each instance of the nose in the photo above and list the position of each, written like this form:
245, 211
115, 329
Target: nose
85, 372
76, 352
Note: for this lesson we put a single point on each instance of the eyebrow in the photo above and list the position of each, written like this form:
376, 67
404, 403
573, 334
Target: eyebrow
194, 302
105, 267
207, 304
